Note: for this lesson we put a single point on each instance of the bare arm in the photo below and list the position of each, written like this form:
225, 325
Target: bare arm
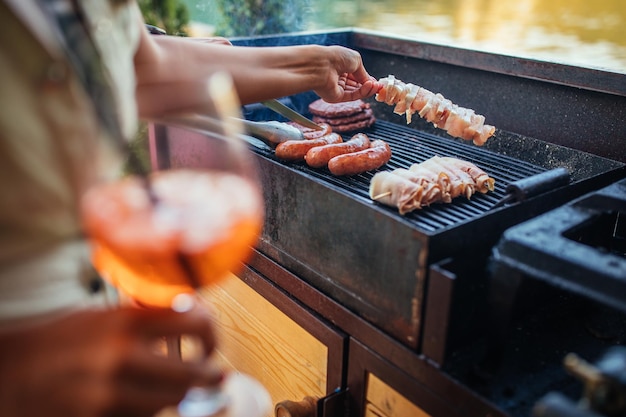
100, 363
172, 72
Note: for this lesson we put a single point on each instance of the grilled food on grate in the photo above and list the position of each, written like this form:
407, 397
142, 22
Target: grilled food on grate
319, 156
296, 150
457, 121
309, 133
354, 156
436, 180
343, 117
352, 163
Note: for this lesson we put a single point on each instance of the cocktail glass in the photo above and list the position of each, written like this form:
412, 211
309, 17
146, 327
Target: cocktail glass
161, 237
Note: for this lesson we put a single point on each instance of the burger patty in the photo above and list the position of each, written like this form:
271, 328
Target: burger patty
349, 127
342, 120
324, 109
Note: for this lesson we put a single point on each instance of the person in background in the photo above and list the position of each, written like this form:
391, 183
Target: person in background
76, 76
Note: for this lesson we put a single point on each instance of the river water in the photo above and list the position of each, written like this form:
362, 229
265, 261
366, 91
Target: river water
589, 33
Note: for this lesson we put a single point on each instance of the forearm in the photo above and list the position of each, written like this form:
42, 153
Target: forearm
172, 72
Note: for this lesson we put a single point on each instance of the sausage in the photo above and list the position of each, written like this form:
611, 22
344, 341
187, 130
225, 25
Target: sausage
315, 134
294, 150
319, 157
377, 155
309, 133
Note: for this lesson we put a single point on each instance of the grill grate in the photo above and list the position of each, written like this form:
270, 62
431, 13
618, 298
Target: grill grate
409, 146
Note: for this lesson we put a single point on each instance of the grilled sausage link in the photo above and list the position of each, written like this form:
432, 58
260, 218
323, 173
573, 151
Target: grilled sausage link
377, 155
319, 157
309, 133
315, 134
294, 150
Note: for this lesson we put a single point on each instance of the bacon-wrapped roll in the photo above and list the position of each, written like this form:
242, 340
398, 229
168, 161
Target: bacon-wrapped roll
436, 180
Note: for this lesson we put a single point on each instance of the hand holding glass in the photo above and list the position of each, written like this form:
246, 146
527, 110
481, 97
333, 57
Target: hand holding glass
181, 229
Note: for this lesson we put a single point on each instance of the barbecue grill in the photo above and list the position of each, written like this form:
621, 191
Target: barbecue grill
425, 278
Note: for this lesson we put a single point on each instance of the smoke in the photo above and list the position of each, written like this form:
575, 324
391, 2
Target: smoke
261, 17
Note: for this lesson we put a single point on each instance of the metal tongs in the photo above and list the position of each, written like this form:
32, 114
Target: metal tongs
290, 114
272, 131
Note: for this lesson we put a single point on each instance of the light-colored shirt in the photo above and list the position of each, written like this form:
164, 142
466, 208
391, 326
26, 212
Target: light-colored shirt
52, 149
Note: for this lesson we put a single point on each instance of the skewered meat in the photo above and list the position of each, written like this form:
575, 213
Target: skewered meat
397, 191
483, 182
460, 182
436, 180
457, 121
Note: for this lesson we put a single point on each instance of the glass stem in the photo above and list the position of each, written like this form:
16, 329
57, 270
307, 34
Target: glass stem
173, 347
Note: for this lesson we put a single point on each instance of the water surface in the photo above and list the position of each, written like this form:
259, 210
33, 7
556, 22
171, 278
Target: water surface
581, 32
588, 33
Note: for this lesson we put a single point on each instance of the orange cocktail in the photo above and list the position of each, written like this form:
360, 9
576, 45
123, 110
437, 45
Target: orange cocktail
198, 226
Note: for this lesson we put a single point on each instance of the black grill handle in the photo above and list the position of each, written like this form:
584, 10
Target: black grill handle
525, 188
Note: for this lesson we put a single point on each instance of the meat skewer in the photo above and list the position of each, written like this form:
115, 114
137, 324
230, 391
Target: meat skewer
436, 180
458, 121
483, 182
394, 190
461, 183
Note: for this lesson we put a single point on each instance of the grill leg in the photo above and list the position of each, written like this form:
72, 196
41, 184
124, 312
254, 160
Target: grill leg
504, 286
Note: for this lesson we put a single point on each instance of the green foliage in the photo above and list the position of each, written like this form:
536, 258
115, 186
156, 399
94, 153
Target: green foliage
140, 148
260, 17
171, 15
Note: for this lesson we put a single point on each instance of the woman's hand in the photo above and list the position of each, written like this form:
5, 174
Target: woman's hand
100, 363
347, 78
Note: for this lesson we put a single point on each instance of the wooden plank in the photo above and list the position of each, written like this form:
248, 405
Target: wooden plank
256, 338
388, 402
372, 411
